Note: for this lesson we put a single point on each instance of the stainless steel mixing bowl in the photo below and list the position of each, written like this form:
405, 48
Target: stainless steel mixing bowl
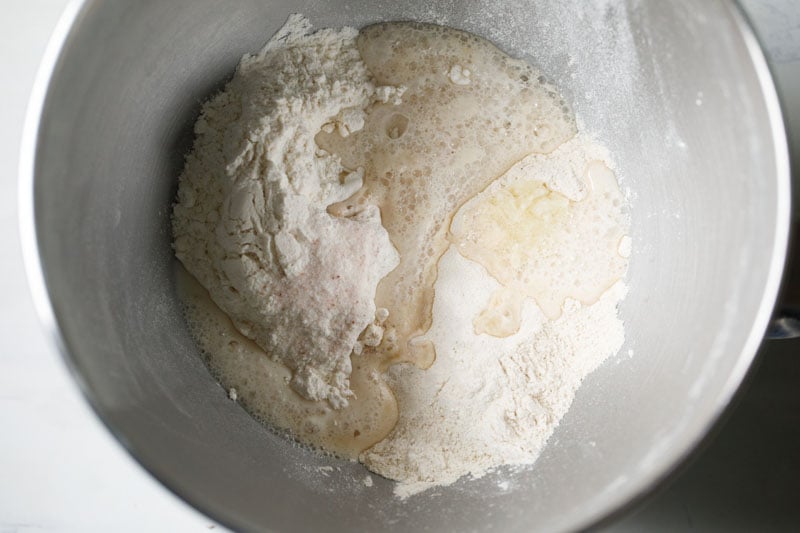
680, 93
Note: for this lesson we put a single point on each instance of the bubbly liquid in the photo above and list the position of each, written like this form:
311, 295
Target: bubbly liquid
468, 114
540, 244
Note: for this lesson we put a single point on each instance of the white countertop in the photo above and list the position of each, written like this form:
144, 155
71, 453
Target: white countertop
60, 469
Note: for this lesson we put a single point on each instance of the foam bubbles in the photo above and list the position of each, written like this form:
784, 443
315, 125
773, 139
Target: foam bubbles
468, 113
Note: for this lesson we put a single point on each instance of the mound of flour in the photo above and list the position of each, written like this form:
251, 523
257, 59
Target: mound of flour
251, 224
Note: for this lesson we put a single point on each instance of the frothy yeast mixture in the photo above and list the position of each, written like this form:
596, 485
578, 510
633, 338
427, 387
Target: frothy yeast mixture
469, 112
327, 182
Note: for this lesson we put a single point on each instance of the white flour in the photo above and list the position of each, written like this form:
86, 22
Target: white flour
250, 222
252, 225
